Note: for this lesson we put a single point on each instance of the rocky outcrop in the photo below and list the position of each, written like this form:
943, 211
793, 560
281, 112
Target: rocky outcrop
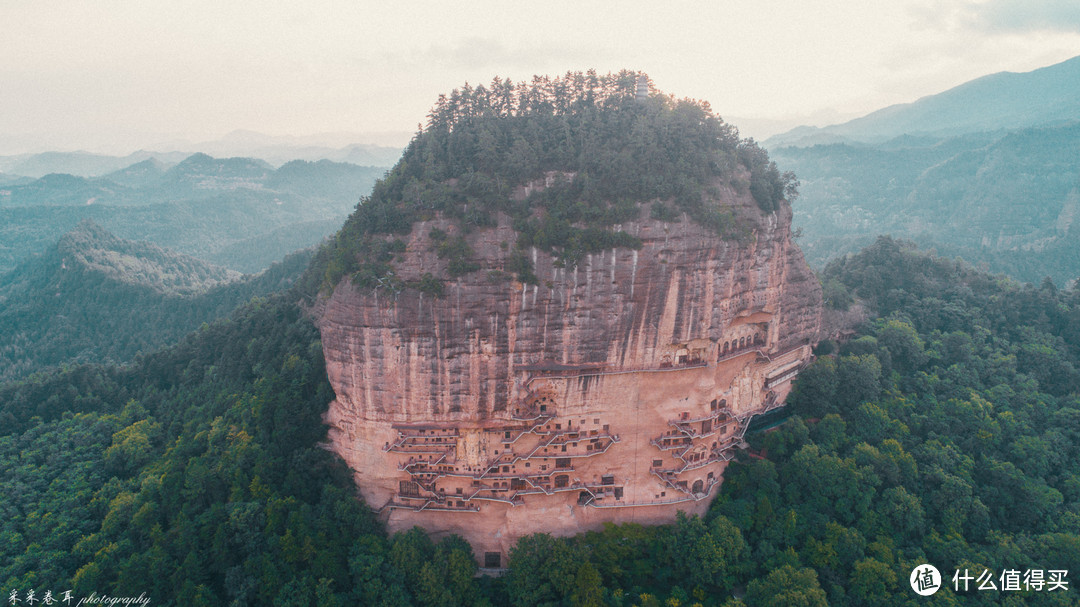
610, 391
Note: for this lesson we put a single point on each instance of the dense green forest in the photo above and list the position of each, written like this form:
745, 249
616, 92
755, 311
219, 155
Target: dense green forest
93, 297
608, 151
946, 431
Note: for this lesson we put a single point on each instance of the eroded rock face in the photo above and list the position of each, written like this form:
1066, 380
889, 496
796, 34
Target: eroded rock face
613, 391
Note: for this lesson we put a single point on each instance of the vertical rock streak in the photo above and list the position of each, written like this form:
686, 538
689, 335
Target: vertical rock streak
612, 391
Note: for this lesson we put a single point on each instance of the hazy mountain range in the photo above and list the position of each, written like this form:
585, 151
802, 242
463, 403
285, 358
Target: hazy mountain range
1001, 101
241, 213
989, 171
275, 150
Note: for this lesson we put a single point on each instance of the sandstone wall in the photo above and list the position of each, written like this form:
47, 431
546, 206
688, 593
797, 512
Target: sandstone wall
612, 391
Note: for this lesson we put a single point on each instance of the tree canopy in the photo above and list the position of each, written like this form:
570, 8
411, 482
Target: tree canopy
601, 151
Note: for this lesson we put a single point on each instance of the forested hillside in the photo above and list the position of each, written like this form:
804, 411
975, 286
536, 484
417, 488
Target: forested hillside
599, 150
947, 431
1006, 201
988, 171
93, 297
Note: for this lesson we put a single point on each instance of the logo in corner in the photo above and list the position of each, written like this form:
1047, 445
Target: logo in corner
925, 579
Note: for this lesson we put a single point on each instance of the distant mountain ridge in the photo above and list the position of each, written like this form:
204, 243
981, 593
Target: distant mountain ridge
238, 212
989, 171
274, 150
1008, 201
203, 172
195, 176
80, 164
1001, 101
278, 150
139, 174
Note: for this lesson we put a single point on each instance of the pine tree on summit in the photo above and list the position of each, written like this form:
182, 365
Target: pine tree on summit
607, 150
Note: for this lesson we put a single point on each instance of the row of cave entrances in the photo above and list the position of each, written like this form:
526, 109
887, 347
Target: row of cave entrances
686, 430
540, 422
607, 480
743, 343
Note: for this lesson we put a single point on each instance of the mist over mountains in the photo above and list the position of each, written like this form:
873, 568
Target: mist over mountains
242, 213
104, 257
1002, 101
275, 150
989, 171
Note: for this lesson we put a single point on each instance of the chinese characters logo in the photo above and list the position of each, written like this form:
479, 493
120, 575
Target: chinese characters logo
925, 579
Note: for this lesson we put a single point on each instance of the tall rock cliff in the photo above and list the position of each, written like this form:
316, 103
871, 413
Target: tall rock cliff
588, 342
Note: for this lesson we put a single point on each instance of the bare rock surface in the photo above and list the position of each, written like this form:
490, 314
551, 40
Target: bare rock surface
615, 390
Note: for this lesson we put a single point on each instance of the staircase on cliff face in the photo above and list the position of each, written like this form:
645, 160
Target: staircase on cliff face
532, 437
519, 348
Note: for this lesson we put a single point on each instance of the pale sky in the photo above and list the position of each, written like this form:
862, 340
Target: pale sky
116, 75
